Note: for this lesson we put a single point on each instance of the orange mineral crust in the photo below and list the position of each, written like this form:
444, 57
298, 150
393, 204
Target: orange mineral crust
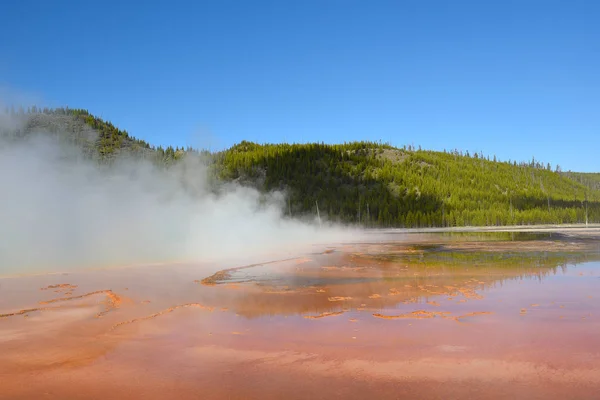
439, 318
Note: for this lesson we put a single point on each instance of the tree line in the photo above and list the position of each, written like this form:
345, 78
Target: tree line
374, 184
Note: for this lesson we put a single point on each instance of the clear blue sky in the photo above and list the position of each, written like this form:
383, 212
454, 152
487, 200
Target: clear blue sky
512, 78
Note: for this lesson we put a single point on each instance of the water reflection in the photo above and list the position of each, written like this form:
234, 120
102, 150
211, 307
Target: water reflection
519, 317
384, 276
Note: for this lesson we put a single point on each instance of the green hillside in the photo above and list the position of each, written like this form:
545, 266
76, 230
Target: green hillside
100, 139
372, 184
378, 185
591, 180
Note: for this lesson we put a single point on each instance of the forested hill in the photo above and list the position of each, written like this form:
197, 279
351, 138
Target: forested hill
368, 183
591, 180
100, 139
378, 185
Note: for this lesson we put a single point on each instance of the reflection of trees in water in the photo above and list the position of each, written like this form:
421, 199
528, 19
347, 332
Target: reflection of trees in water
502, 266
396, 279
501, 236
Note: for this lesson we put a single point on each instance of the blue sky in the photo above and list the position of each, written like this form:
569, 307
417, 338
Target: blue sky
514, 79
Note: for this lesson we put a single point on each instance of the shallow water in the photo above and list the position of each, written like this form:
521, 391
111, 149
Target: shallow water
423, 316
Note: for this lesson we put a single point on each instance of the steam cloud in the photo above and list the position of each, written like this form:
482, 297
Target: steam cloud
60, 211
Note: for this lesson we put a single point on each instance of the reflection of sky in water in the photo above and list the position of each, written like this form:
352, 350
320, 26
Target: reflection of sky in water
400, 267
434, 280
569, 294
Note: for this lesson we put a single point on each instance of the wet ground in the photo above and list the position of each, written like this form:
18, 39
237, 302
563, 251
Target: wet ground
445, 315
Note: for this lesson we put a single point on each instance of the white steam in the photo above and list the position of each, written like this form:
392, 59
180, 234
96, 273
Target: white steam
60, 211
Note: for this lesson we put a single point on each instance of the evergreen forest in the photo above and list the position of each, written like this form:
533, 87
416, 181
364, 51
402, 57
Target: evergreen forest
364, 183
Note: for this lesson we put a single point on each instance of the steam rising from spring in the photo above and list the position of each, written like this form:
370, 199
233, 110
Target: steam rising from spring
61, 211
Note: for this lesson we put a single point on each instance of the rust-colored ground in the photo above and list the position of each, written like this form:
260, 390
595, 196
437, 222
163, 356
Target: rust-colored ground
428, 318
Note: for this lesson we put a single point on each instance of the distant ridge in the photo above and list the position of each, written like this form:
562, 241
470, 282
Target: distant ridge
366, 183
